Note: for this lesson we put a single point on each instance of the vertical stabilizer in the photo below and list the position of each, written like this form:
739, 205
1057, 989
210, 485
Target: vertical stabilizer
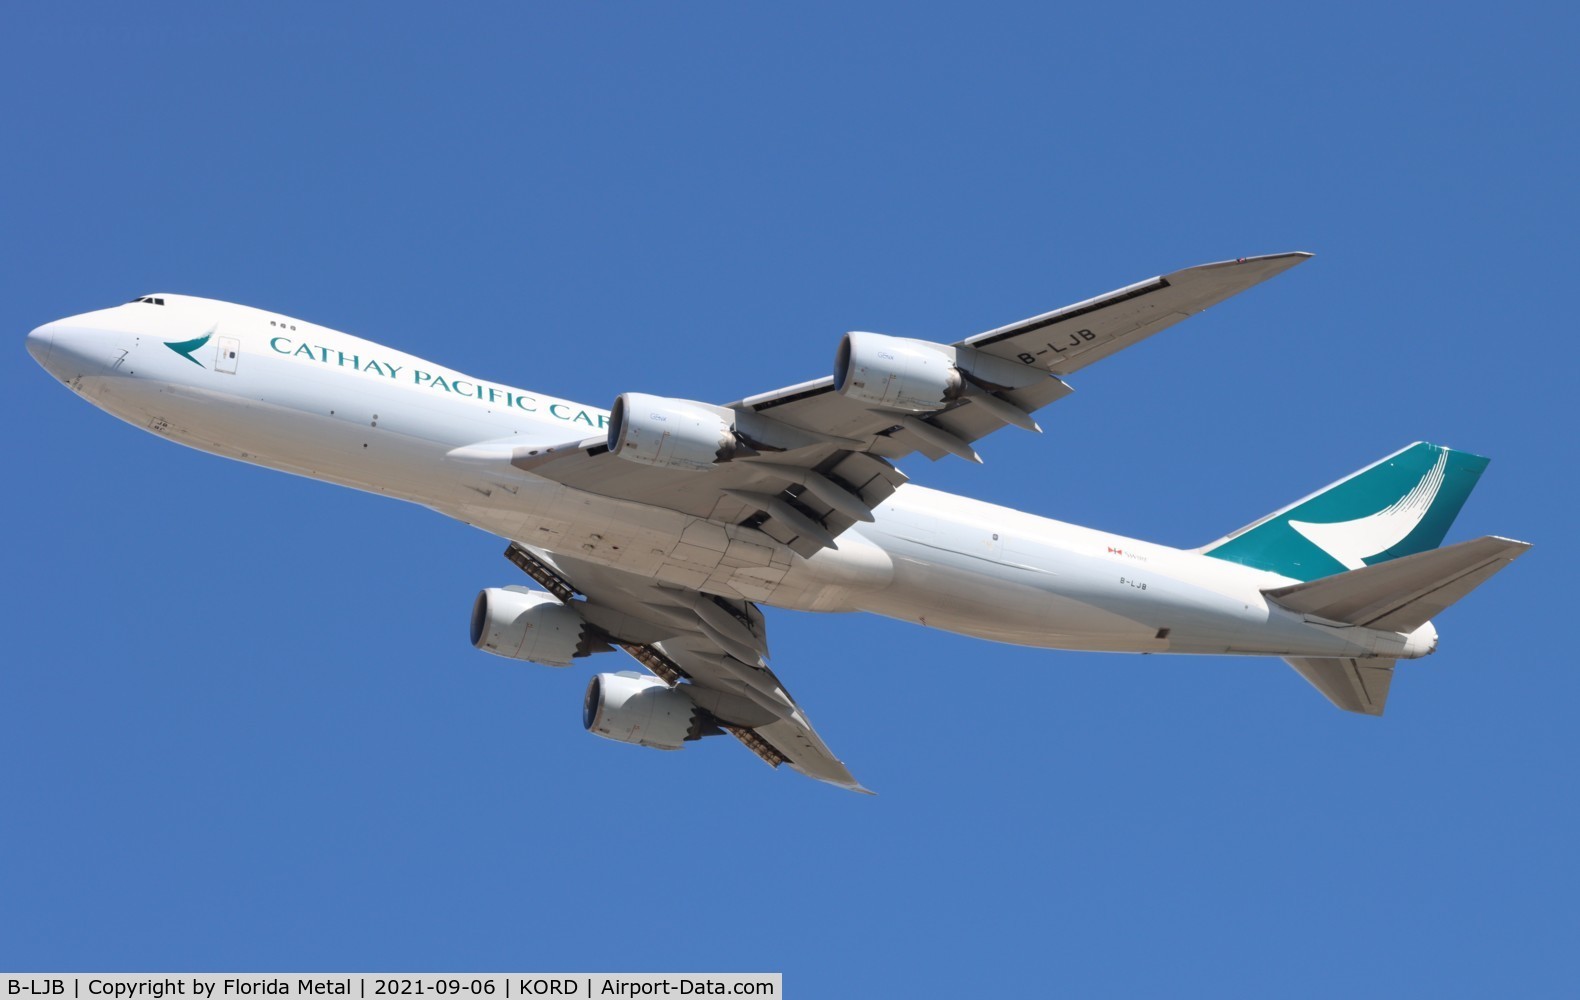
1396, 507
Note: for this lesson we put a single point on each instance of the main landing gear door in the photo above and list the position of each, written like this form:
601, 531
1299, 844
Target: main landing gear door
228, 349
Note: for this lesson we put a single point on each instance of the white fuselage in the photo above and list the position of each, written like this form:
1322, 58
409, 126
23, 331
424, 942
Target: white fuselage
287, 394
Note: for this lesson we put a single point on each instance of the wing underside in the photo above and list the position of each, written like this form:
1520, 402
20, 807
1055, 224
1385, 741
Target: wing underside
709, 648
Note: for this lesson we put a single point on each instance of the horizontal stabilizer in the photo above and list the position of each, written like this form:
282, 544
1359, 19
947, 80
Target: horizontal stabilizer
1353, 685
1402, 594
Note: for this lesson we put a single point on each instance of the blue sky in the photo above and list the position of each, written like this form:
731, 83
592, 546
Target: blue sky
244, 728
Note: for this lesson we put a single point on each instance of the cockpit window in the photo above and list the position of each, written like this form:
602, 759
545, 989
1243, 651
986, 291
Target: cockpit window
148, 299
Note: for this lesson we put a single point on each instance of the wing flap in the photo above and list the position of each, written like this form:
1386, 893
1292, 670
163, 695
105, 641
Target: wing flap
863, 480
971, 422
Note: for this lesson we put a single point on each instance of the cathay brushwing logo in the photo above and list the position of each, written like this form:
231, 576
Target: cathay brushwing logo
1353, 542
186, 347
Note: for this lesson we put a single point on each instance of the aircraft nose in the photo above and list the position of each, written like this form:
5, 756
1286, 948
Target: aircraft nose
41, 342
69, 348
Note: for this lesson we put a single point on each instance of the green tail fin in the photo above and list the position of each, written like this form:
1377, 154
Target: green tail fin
1396, 507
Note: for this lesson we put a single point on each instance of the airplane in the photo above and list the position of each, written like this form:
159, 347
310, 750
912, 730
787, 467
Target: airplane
661, 526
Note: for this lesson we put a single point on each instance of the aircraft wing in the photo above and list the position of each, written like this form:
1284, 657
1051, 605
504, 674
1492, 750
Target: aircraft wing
822, 461
708, 647
1058, 342
1067, 340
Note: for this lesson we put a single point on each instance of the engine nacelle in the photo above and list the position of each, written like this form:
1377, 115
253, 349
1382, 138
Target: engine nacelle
636, 708
671, 433
895, 374
918, 376
520, 623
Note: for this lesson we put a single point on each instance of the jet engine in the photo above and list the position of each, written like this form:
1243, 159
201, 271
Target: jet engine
636, 708
672, 433
918, 376
520, 623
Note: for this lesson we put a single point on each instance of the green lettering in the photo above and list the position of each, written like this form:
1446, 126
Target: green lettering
394, 369
306, 349
469, 387
521, 402
554, 410
355, 361
373, 366
274, 343
438, 380
418, 376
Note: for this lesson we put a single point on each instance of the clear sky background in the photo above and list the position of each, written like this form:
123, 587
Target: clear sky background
242, 725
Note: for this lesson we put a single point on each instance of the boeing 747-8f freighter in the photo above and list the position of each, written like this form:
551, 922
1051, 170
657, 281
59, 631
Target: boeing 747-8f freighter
660, 525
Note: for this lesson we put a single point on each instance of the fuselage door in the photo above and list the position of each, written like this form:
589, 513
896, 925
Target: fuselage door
226, 353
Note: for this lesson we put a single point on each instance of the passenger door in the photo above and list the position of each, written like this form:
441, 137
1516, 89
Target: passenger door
226, 353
